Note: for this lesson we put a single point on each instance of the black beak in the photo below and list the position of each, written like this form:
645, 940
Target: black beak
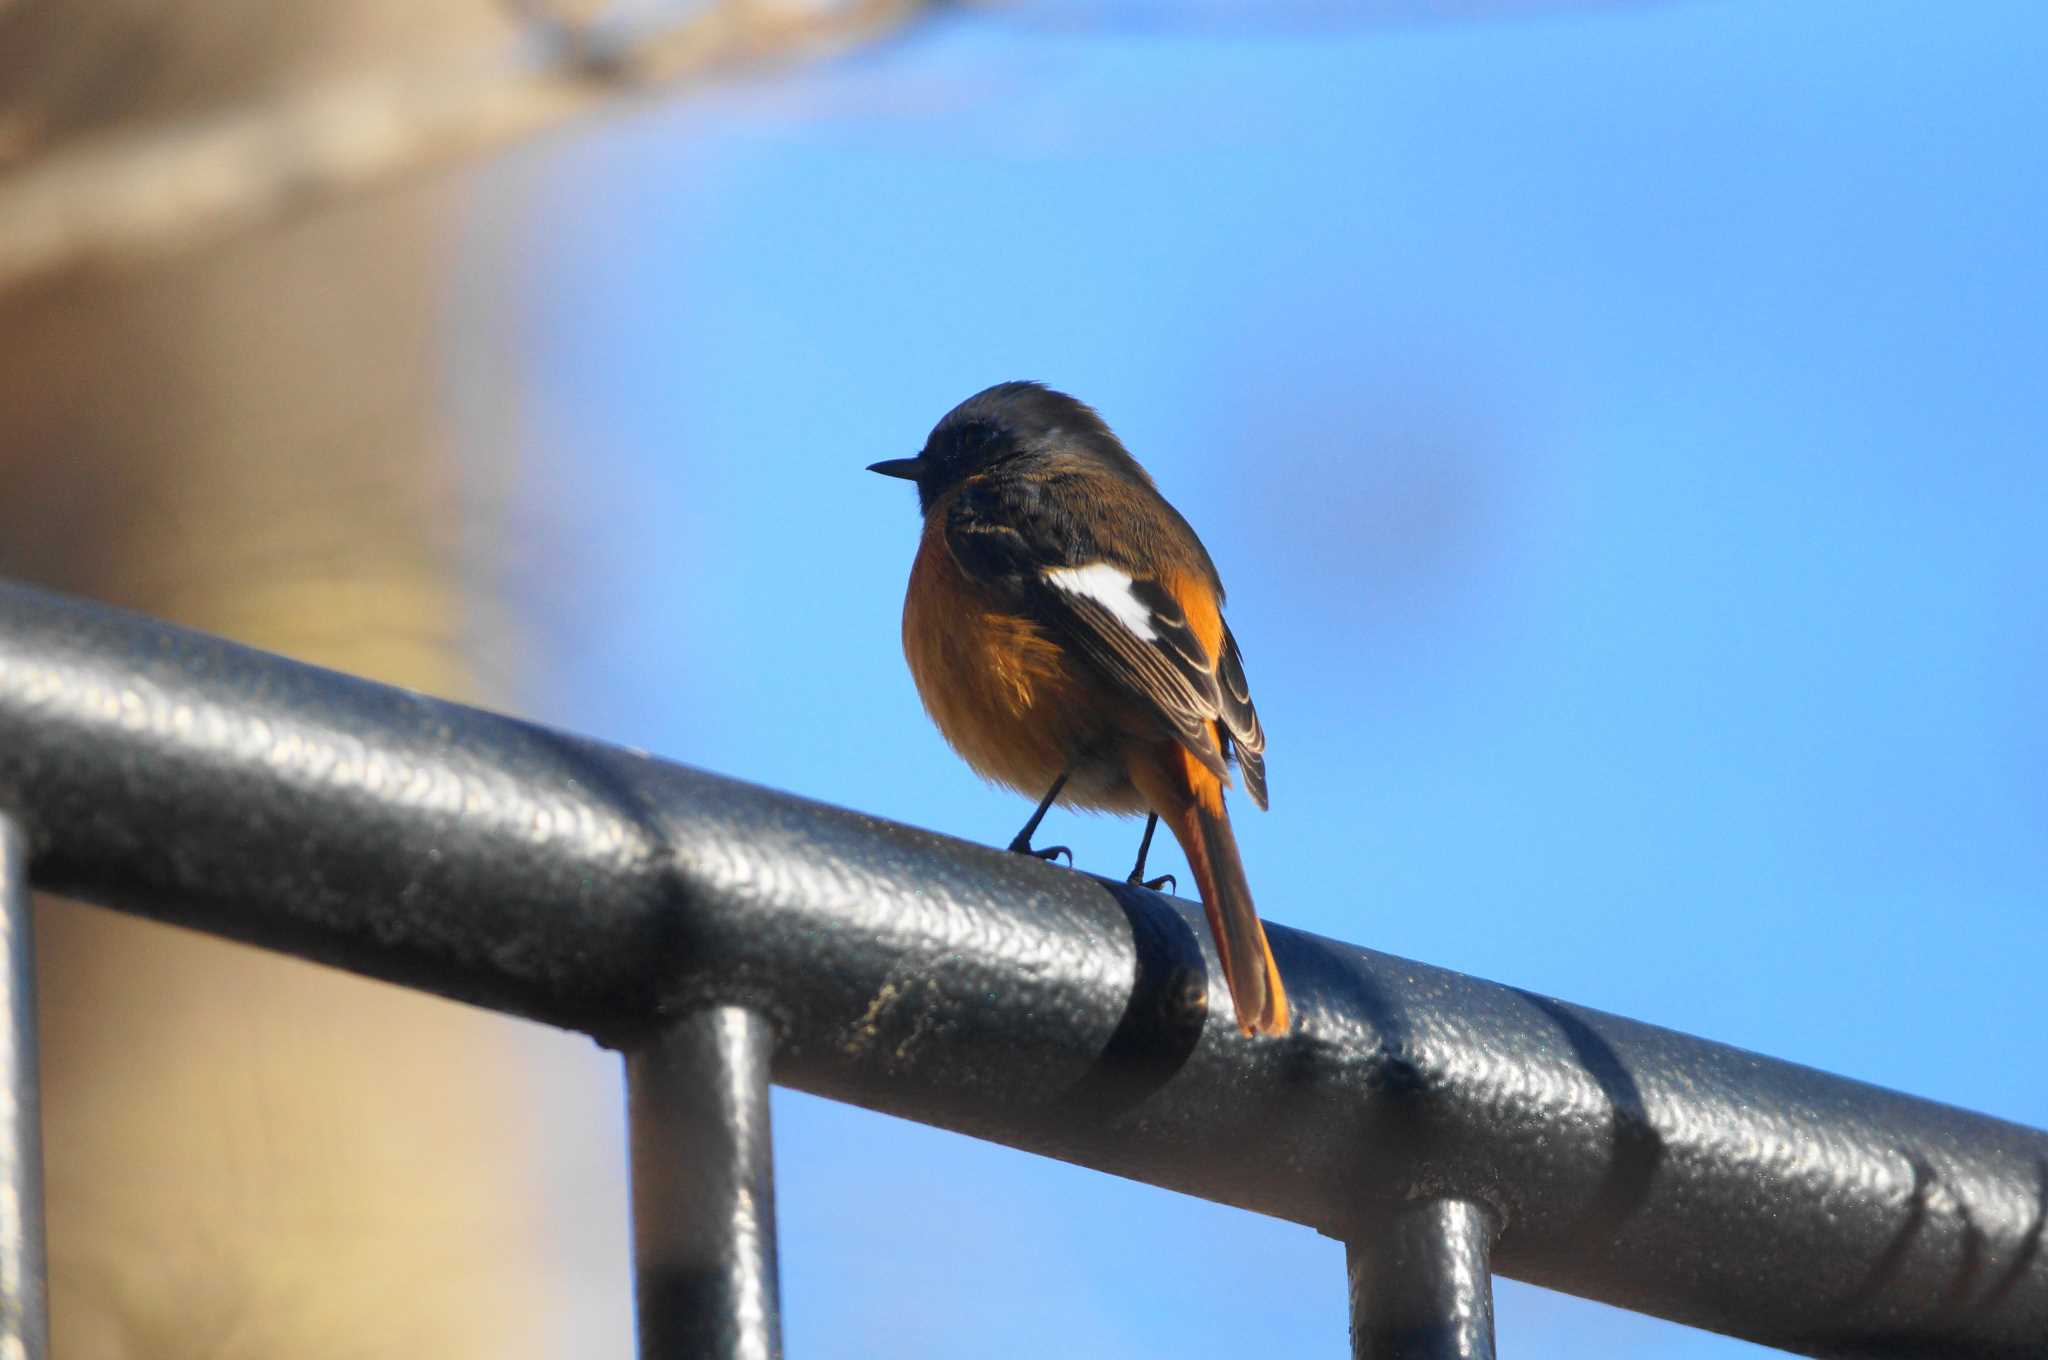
909, 469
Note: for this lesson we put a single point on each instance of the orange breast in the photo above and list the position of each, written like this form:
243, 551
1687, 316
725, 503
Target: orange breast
1000, 689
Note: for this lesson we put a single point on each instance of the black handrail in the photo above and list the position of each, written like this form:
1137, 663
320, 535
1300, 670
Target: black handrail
1417, 1114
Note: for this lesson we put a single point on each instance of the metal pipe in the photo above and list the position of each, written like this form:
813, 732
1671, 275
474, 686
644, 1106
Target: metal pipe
24, 1320
1422, 1283
705, 1283
465, 853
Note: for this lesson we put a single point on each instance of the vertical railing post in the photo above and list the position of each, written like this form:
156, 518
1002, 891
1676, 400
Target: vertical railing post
705, 1284
1422, 1284
24, 1321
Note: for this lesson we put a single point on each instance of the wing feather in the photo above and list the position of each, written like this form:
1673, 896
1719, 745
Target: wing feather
1157, 669
1241, 720
1021, 539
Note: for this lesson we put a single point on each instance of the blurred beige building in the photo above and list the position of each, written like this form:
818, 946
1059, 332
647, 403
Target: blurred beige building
248, 1156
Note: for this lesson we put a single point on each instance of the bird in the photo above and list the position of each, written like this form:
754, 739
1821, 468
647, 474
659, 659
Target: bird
1064, 628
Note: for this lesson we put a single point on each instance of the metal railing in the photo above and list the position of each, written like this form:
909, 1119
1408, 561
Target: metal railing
721, 935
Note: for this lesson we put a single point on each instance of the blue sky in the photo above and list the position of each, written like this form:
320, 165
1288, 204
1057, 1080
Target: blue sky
1620, 432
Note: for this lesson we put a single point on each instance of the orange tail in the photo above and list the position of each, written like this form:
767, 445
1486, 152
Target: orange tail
1189, 799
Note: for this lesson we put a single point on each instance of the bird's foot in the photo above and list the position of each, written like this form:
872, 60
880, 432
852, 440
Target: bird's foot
1155, 884
1020, 846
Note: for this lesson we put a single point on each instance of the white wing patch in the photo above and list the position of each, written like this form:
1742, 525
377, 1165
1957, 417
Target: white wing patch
1109, 587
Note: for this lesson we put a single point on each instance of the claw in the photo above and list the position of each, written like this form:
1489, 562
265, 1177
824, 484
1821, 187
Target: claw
1020, 844
1138, 870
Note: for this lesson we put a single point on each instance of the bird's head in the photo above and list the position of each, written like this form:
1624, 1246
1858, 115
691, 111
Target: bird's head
1018, 423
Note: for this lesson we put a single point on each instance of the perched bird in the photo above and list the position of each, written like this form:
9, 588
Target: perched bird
1064, 627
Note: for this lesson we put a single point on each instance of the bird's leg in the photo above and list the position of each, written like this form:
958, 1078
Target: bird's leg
1145, 848
1021, 842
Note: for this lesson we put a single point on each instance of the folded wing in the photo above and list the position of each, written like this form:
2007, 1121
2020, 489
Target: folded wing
1019, 539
